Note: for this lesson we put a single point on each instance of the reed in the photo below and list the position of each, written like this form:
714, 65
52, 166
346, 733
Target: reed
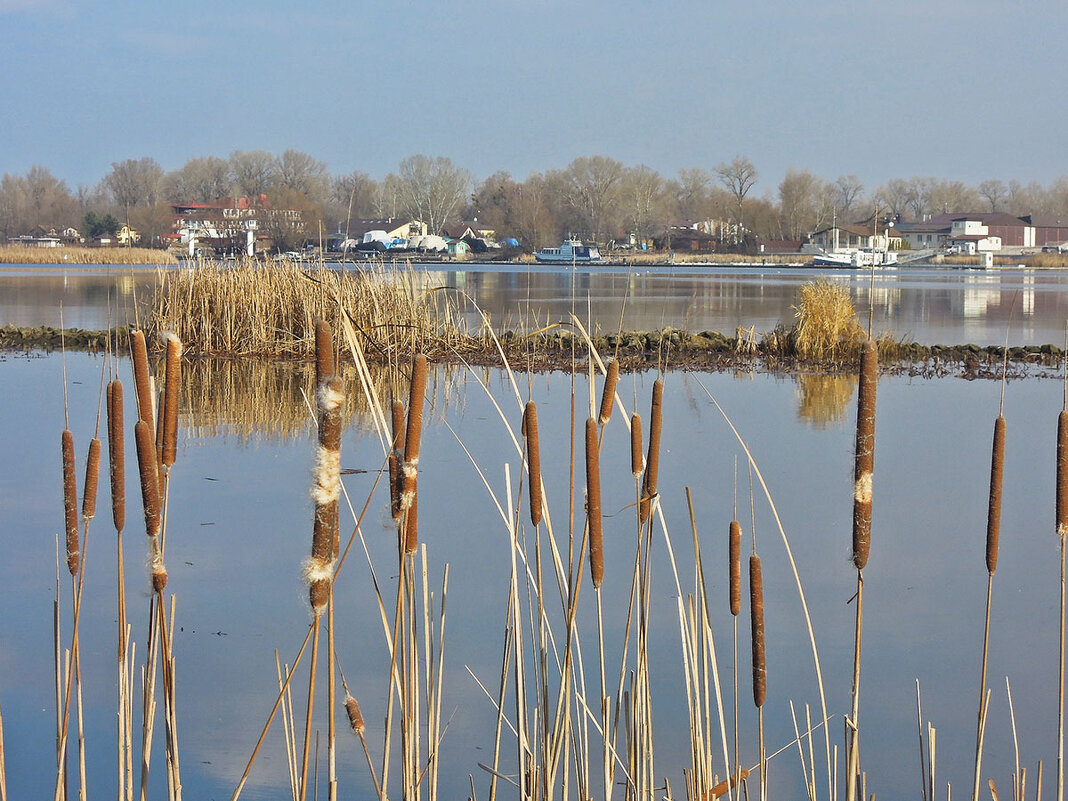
652, 462
826, 327
69, 254
530, 430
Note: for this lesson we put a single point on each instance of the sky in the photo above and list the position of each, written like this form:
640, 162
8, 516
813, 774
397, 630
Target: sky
958, 89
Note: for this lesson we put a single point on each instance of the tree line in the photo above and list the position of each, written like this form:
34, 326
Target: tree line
594, 197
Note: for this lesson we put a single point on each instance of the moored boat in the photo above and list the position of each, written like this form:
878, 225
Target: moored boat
571, 251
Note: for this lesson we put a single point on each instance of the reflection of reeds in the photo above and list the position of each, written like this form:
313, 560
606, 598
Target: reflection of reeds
824, 399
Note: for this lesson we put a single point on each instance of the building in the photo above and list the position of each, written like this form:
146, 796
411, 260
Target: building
232, 225
861, 235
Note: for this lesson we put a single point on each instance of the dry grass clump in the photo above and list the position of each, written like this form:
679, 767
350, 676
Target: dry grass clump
270, 309
827, 327
25, 254
824, 399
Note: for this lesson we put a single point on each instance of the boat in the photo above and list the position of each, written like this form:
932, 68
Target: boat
571, 251
855, 257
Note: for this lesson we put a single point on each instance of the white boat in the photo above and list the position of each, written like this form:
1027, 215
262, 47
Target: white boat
855, 257
571, 251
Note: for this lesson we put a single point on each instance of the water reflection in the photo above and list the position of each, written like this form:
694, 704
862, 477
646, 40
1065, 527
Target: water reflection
823, 400
90, 297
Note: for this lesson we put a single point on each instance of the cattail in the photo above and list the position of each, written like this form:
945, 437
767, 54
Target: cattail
159, 577
637, 461
1062, 474
171, 390
416, 399
993, 518
530, 431
756, 611
355, 715
116, 456
146, 466
652, 463
70, 502
159, 438
593, 503
608, 396
92, 477
735, 558
865, 453
324, 352
396, 475
327, 487
142, 385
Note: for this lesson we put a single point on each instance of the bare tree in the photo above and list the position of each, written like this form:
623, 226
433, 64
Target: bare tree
738, 176
805, 203
642, 189
254, 172
355, 195
893, 196
134, 183
302, 173
590, 185
691, 193
431, 190
199, 180
847, 189
993, 192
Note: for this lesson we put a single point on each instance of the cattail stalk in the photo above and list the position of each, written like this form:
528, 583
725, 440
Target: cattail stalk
416, 400
865, 453
70, 502
652, 462
171, 392
593, 503
608, 395
530, 430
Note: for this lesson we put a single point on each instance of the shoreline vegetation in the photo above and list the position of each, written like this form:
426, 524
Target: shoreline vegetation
136, 256
390, 314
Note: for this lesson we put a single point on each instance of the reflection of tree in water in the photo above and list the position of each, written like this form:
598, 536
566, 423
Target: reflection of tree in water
824, 399
263, 399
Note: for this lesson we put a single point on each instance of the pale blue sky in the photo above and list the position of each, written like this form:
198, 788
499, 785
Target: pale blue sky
956, 89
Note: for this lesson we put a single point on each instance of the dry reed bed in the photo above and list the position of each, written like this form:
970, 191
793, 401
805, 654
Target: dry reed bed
25, 254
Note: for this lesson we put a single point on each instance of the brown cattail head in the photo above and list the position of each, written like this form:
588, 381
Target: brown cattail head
637, 461
116, 455
865, 453
652, 463
530, 430
593, 503
159, 438
171, 392
92, 478
355, 715
146, 466
159, 579
416, 400
735, 558
326, 487
396, 472
993, 517
756, 611
1062, 474
324, 352
142, 385
608, 396
319, 595
70, 503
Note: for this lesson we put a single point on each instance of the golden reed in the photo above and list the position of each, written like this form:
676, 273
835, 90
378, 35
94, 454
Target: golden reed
530, 431
70, 502
997, 472
864, 453
756, 610
593, 503
116, 455
412, 435
652, 462
608, 395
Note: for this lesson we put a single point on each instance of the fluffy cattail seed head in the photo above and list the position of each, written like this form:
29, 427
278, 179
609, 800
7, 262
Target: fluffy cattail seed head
608, 396
116, 455
864, 453
70, 503
355, 715
159, 579
530, 430
993, 518
593, 503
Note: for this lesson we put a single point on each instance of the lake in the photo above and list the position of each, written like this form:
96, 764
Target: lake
239, 530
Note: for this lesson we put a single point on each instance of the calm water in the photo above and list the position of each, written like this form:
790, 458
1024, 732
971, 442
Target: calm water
239, 529
929, 305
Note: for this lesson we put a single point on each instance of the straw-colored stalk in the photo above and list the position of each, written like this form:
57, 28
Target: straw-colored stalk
652, 462
608, 396
171, 393
637, 459
593, 503
530, 430
412, 437
865, 453
70, 503
142, 383
116, 455
396, 455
